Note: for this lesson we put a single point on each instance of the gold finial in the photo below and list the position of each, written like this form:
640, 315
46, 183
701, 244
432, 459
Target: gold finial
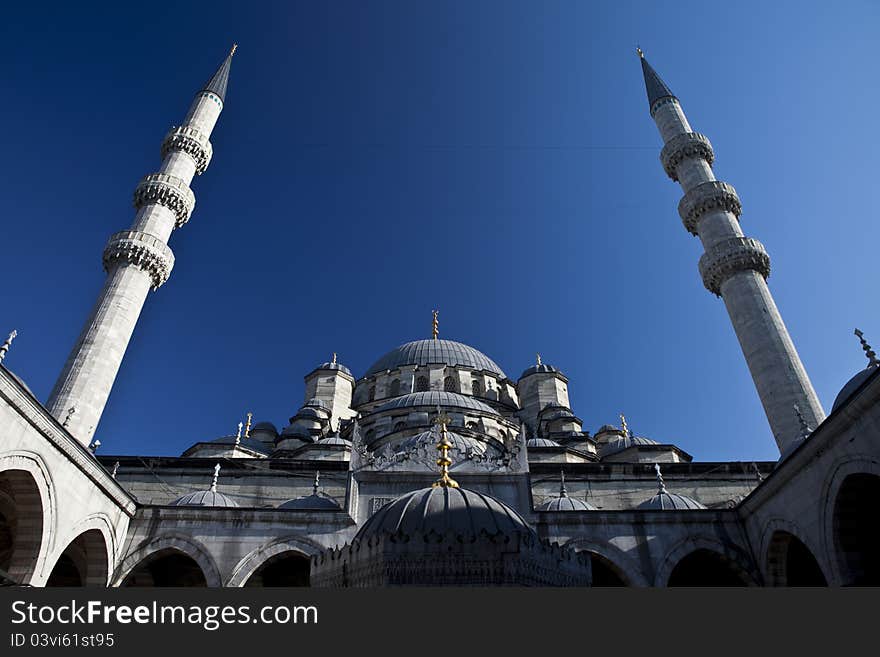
435, 325
538, 358
623, 426
443, 447
872, 356
247, 427
333, 362
234, 48
641, 52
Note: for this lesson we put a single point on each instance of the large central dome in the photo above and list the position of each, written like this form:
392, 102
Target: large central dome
426, 352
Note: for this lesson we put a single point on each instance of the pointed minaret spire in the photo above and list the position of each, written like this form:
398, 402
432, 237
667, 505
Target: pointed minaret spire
654, 85
734, 267
136, 261
219, 81
869, 352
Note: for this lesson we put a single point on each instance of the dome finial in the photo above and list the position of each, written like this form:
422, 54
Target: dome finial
435, 325
5, 346
872, 356
641, 52
333, 362
216, 476
443, 447
247, 427
238, 435
233, 49
70, 413
538, 359
623, 426
660, 483
317, 482
562, 491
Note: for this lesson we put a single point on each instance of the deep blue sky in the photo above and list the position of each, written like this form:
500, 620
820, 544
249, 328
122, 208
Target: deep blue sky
495, 160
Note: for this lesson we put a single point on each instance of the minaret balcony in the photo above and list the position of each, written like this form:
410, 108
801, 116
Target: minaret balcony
168, 191
149, 253
191, 141
706, 197
684, 146
731, 257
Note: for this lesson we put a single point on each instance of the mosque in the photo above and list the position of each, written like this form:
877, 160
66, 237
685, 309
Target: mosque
434, 466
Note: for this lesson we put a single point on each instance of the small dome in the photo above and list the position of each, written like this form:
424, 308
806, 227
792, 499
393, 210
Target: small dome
205, 498
439, 352
852, 385
429, 439
666, 501
264, 427
565, 503
312, 413
334, 440
622, 443
458, 510
339, 367
539, 369
434, 399
298, 431
313, 502
541, 442
607, 428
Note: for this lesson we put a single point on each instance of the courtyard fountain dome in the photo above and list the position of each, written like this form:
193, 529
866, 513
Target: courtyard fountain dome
445, 509
435, 352
435, 399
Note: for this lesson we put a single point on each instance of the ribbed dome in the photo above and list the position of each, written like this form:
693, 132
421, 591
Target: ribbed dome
619, 444
541, 442
852, 385
335, 440
436, 398
542, 369
204, 498
564, 504
329, 365
425, 352
666, 501
429, 439
461, 511
313, 502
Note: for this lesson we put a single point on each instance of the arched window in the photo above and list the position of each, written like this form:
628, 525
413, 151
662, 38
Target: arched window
422, 384
477, 388
399, 426
449, 384
394, 388
372, 393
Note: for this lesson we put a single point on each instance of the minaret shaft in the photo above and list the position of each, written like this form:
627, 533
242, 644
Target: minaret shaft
136, 260
735, 268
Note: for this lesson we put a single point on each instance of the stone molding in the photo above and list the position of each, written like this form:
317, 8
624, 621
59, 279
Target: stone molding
145, 251
731, 256
683, 146
166, 190
705, 197
191, 141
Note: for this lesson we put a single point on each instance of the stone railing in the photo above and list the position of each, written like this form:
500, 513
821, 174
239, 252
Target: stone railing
712, 195
168, 191
145, 251
731, 256
191, 141
683, 146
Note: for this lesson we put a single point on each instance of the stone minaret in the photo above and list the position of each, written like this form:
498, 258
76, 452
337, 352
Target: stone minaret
136, 261
733, 267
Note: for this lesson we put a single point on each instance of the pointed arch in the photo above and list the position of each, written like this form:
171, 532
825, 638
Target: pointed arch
251, 563
168, 545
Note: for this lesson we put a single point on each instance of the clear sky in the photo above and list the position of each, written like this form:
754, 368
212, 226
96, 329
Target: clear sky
494, 160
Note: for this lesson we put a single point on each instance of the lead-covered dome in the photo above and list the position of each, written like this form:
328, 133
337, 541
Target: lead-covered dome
666, 501
442, 509
426, 352
205, 498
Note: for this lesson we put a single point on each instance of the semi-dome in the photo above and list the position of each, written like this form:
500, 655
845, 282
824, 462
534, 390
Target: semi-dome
313, 502
444, 509
426, 352
205, 498
437, 398
852, 385
429, 439
666, 501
